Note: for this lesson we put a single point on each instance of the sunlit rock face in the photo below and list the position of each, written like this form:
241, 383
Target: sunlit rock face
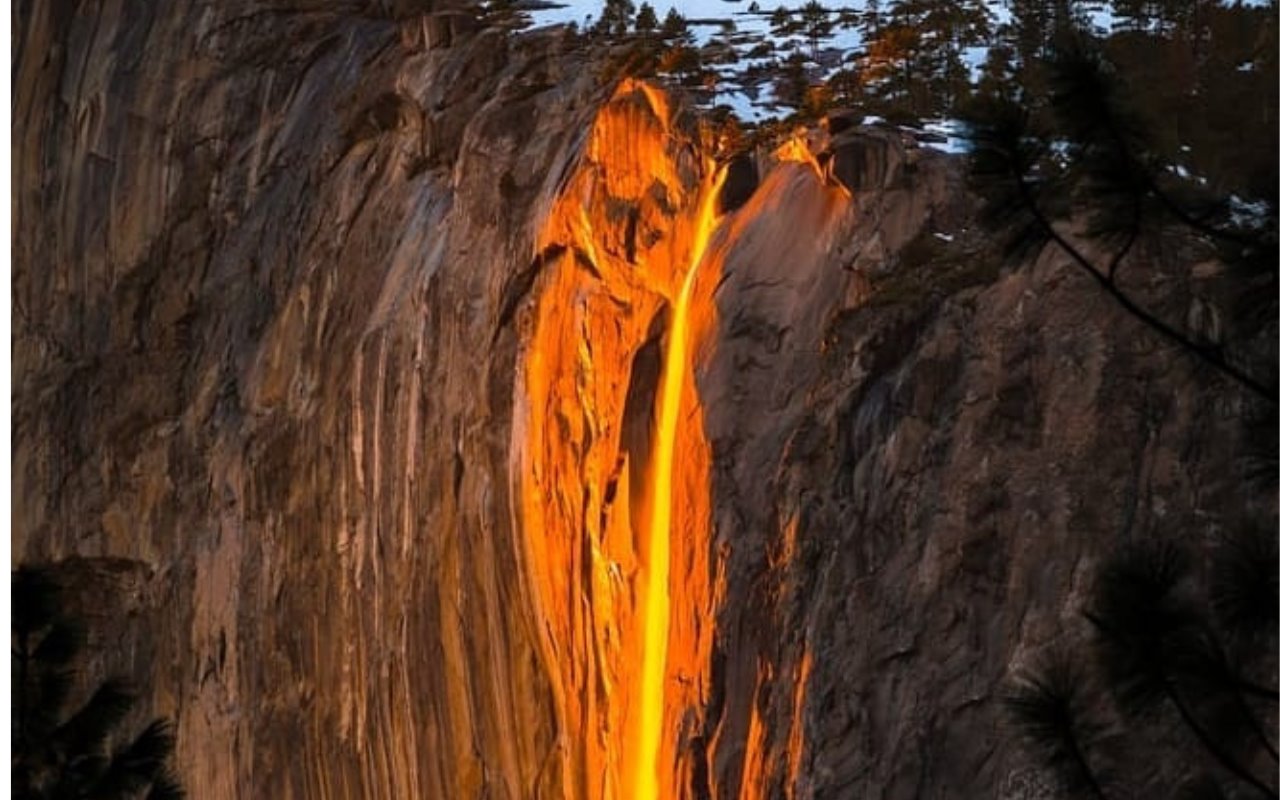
627, 230
639, 255
344, 336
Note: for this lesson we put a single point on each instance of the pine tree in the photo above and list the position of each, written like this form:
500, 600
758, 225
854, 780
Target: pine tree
1084, 150
871, 19
817, 25
997, 72
57, 754
682, 59
954, 27
615, 18
1158, 655
675, 28
646, 19
895, 58
793, 82
784, 23
1035, 28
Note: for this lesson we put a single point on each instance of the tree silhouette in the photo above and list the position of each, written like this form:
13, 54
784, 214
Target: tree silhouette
954, 27
646, 19
914, 54
783, 22
675, 28
60, 753
1085, 152
615, 18
1049, 707
871, 18
1156, 651
1244, 582
817, 25
792, 83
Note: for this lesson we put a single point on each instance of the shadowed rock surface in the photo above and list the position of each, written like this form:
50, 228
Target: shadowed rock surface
274, 271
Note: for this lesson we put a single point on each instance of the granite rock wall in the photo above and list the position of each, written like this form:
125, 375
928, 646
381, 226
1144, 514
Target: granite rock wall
274, 271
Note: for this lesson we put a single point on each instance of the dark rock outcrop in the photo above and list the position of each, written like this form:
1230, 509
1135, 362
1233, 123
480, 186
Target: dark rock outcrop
742, 178
864, 158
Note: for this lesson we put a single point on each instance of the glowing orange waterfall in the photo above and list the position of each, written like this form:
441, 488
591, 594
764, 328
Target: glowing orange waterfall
657, 604
614, 508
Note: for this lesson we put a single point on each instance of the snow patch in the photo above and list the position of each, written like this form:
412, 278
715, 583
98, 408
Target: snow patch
947, 136
1249, 213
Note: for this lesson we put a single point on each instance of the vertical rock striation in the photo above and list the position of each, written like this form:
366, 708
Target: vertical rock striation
338, 333
261, 252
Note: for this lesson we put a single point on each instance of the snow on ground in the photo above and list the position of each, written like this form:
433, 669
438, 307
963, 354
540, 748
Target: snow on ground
1186, 175
746, 109
1247, 214
946, 135
703, 17
707, 18
578, 10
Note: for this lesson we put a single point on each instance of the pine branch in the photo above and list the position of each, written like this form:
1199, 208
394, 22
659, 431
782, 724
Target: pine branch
1208, 355
1255, 690
1047, 706
1108, 164
1153, 643
20, 731
1198, 224
166, 787
1201, 657
1220, 755
87, 729
1085, 100
140, 764
57, 757
1244, 586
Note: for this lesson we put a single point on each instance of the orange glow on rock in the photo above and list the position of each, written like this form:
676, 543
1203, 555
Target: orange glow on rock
754, 768
657, 608
634, 217
795, 739
611, 467
797, 150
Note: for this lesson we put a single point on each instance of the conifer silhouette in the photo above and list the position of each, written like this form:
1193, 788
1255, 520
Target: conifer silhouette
1082, 152
1157, 651
65, 752
1048, 706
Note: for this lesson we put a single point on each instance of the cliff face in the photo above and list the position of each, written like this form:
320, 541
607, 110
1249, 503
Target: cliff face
342, 333
259, 260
